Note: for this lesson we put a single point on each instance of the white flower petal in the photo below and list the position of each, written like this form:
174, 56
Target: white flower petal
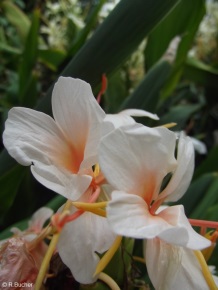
182, 176
138, 113
172, 267
39, 218
135, 159
80, 240
69, 185
117, 120
124, 118
181, 233
199, 146
31, 136
79, 116
129, 216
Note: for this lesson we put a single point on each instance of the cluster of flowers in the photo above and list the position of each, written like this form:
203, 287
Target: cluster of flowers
115, 174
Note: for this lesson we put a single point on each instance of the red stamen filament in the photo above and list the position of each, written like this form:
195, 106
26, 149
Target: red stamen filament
103, 87
214, 236
78, 213
204, 224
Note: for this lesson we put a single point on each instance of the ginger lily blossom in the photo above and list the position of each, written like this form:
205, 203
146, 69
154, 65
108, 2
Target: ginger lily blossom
139, 175
60, 151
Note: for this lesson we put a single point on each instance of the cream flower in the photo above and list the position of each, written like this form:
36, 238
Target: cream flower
178, 267
81, 242
138, 162
59, 150
137, 172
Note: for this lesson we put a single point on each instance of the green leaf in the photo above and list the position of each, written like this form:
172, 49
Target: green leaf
201, 73
29, 57
17, 18
183, 21
114, 40
211, 214
123, 257
10, 183
7, 48
116, 92
52, 58
90, 22
146, 95
56, 202
209, 200
210, 164
180, 114
196, 191
22, 225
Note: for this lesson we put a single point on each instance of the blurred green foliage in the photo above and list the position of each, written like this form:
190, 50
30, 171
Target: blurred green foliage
40, 41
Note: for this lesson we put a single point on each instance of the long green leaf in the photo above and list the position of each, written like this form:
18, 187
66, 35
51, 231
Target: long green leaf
10, 183
89, 23
28, 61
117, 38
180, 114
201, 73
146, 95
209, 200
17, 18
51, 57
196, 192
183, 21
210, 164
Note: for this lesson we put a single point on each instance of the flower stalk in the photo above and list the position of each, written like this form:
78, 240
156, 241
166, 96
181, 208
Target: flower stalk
108, 256
206, 272
51, 248
109, 281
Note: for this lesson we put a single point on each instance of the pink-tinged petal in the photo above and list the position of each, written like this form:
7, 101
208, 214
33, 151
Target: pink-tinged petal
17, 263
180, 231
182, 176
39, 218
172, 267
79, 242
69, 185
135, 159
79, 116
31, 136
128, 215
